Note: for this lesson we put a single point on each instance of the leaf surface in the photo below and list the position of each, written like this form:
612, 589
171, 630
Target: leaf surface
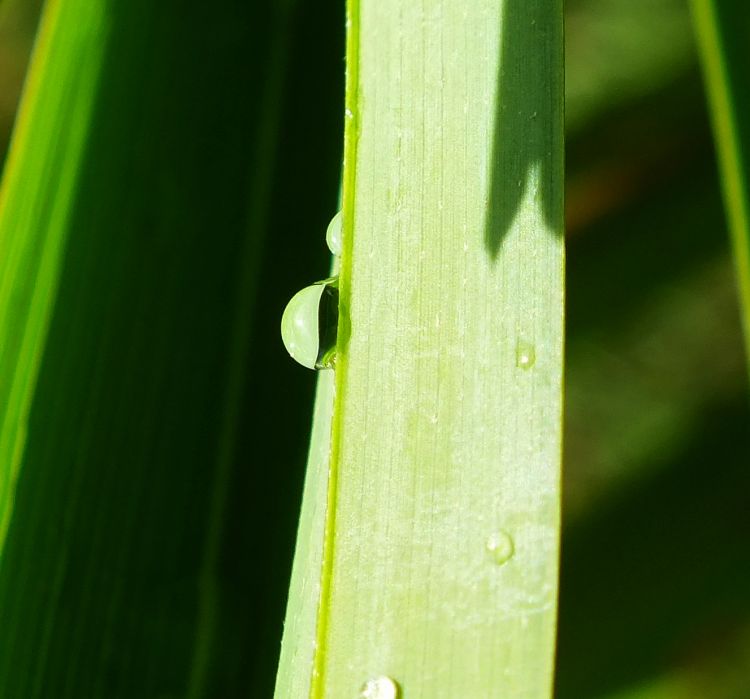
438, 565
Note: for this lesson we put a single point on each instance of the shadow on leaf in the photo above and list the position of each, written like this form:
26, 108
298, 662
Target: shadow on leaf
526, 144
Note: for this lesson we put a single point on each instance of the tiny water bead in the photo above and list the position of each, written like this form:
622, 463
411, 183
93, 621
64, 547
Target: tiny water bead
333, 235
309, 323
380, 688
525, 355
500, 547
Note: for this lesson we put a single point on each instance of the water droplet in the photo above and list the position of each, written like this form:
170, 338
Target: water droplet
500, 547
380, 688
309, 323
525, 355
333, 235
349, 114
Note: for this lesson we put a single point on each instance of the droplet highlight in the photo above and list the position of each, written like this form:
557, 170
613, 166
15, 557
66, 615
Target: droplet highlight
525, 355
380, 688
500, 547
333, 235
309, 325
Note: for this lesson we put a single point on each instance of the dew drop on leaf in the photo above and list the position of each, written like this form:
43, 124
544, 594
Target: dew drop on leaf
500, 547
525, 355
333, 235
309, 323
380, 688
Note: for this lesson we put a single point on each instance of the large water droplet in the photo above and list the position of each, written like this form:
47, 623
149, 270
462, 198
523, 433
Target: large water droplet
333, 235
500, 547
380, 688
525, 355
309, 323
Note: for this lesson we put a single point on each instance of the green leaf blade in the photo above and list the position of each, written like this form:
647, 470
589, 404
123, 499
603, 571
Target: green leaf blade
440, 555
35, 203
146, 441
722, 28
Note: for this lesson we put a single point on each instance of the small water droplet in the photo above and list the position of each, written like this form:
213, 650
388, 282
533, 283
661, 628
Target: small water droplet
309, 324
380, 688
525, 355
333, 235
500, 547
349, 114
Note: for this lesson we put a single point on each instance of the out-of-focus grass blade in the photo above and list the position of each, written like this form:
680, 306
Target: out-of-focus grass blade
142, 456
19, 21
35, 206
438, 567
723, 30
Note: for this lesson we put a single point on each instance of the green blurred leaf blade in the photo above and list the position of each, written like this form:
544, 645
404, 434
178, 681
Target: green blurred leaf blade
144, 178
723, 28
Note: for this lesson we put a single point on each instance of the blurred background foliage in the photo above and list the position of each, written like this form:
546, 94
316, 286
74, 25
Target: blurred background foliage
655, 584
